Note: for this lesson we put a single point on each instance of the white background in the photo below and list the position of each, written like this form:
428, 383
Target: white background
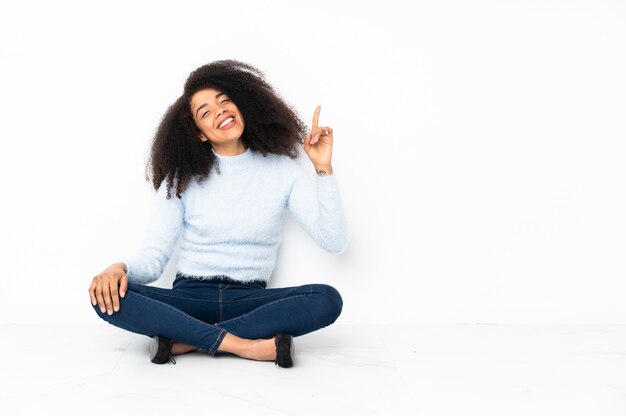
480, 148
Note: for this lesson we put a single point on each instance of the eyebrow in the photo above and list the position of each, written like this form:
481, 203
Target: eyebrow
204, 105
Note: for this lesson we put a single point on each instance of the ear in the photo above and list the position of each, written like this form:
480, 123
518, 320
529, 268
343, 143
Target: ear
203, 137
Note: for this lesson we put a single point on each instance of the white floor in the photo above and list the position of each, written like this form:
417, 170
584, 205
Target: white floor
502, 370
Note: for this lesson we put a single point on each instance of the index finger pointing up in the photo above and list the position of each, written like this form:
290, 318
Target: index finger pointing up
316, 116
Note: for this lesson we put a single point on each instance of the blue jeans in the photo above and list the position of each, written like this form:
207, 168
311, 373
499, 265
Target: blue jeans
201, 312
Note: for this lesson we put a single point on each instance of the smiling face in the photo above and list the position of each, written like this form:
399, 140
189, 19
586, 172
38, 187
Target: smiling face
218, 119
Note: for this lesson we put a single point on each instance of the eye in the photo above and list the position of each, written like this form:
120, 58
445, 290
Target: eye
204, 114
225, 101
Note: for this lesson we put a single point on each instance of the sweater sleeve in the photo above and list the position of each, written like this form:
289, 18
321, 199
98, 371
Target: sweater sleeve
164, 228
317, 207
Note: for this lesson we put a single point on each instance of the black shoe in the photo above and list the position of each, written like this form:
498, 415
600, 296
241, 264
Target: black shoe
284, 350
161, 350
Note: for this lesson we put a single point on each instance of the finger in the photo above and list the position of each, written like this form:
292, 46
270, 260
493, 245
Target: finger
316, 117
92, 293
101, 303
315, 136
326, 132
316, 133
115, 299
106, 294
123, 285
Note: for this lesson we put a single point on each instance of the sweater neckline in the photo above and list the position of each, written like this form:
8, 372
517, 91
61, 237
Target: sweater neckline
233, 163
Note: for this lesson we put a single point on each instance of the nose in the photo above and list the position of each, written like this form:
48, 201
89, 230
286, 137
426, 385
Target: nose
219, 112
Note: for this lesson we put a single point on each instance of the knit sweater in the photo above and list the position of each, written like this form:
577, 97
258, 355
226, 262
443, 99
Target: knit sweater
231, 223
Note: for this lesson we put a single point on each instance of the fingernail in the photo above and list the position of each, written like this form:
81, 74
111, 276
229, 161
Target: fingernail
123, 294
102, 310
110, 312
93, 303
116, 308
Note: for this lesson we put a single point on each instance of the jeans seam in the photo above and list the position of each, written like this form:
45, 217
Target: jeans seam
220, 290
218, 341
262, 297
262, 307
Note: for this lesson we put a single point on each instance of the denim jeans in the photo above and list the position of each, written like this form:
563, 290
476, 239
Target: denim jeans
200, 312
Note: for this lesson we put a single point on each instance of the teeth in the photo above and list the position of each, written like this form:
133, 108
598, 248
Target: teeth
228, 120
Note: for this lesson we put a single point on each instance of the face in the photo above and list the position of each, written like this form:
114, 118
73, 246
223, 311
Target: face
217, 117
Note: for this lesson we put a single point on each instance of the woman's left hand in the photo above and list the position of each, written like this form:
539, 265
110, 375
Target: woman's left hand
318, 144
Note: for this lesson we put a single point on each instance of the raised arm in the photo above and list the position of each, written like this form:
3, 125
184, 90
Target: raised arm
317, 207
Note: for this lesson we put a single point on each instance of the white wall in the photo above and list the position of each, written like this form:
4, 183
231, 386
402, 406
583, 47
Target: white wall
480, 148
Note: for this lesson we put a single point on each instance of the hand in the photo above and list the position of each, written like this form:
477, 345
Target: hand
318, 144
104, 288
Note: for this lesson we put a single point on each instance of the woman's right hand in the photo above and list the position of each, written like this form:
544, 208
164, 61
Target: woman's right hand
104, 288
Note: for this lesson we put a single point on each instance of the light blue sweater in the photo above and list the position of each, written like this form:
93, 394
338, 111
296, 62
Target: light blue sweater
231, 224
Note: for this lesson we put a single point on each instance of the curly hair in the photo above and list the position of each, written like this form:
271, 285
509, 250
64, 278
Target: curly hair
272, 126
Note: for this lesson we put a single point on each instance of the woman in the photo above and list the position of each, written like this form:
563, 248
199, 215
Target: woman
227, 148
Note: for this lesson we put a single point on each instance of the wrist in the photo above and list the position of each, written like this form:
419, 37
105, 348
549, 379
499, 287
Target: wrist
323, 170
120, 265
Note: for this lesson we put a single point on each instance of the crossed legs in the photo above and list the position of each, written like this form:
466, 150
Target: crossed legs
239, 319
